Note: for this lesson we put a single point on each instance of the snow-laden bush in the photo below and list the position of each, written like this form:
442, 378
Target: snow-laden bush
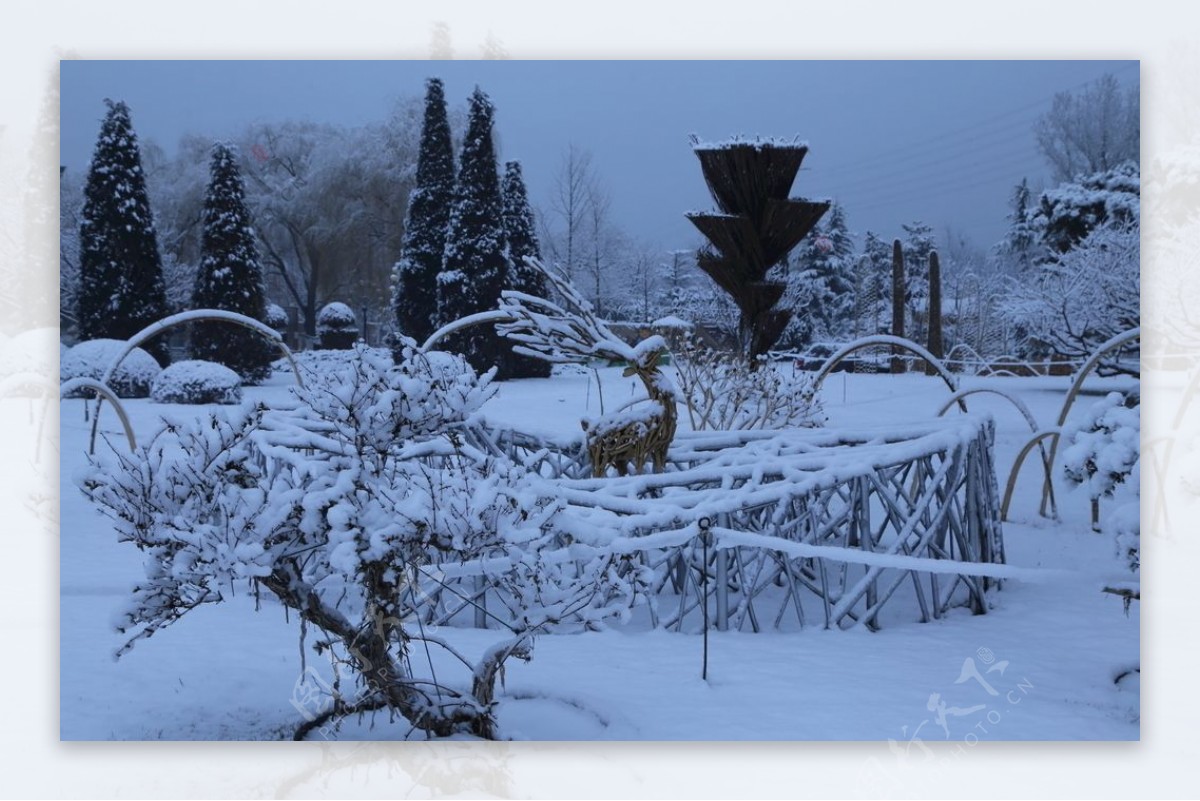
1102, 453
276, 317
336, 326
1103, 448
320, 362
196, 381
90, 359
336, 507
722, 392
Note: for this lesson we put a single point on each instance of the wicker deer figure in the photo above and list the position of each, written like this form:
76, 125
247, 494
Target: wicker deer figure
624, 439
629, 437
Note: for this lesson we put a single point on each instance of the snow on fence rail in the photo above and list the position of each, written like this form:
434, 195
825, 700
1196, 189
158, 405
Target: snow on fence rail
764, 527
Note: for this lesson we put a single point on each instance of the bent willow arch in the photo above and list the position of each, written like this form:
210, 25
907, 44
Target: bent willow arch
103, 390
167, 323
876, 340
1115, 343
1048, 482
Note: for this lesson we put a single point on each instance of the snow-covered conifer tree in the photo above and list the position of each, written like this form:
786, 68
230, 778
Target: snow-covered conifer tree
230, 277
1020, 244
520, 232
918, 244
821, 284
476, 263
121, 282
414, 278
873, 286
1069, 212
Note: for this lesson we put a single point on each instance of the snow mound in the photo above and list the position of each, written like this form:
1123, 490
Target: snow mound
196, 381
671, 321
90, 360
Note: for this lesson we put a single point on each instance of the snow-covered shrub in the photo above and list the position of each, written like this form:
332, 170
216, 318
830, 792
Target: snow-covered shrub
335, 507
336, 326
196, 381
1102, 448
722, 392
1102, 453
90, 359
276, 317
324, 361
376, 406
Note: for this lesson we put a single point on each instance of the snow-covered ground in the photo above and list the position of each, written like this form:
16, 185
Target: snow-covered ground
1041, 666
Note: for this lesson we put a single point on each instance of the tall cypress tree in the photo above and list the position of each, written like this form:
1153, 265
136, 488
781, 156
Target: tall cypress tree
120, 270
414, 278
230, 276
476, 265
522, 244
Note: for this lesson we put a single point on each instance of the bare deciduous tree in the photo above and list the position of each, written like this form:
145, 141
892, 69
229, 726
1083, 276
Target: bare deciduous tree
572, 194
1092, 130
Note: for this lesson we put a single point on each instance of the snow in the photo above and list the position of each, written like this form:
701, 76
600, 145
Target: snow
23, 353
757, 142
671, 321
1051, 648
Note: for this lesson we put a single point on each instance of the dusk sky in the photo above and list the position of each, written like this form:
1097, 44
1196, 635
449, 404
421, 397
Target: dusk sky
893, 141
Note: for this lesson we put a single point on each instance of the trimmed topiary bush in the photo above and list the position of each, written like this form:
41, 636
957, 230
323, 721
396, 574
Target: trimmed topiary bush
276, 317
90, 359
195, 381
337, 328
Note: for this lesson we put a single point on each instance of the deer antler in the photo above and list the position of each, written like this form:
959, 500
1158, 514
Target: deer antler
545, 330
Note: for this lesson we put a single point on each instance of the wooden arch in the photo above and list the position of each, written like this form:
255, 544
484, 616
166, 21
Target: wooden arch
876, 340
193, 316
1048, 483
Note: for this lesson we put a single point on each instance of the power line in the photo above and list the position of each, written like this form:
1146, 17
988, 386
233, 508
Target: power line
884, 156
932, 180
970, 155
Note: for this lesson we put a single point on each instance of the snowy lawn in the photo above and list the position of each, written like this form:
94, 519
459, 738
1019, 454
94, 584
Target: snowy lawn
1040, 666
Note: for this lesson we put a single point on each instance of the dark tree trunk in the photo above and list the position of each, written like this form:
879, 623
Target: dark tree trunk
936, 346
897, 302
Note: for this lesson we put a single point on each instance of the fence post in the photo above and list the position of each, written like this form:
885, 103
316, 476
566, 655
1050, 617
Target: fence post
481, 602
722, 579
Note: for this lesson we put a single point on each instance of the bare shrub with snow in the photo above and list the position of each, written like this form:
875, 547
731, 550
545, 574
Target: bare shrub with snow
723, 393
197, 382
335, 507
90, 360
1083, 299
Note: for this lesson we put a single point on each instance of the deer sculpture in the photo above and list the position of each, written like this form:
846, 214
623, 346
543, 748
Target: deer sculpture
630, 437
641, 432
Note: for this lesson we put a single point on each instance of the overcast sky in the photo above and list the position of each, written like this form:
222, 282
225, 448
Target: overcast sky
893, 141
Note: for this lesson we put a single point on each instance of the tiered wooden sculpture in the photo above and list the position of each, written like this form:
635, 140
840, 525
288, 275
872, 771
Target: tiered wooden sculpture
625, 439
755, 229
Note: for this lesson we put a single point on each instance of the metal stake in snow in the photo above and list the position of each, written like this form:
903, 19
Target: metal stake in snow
705, 524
